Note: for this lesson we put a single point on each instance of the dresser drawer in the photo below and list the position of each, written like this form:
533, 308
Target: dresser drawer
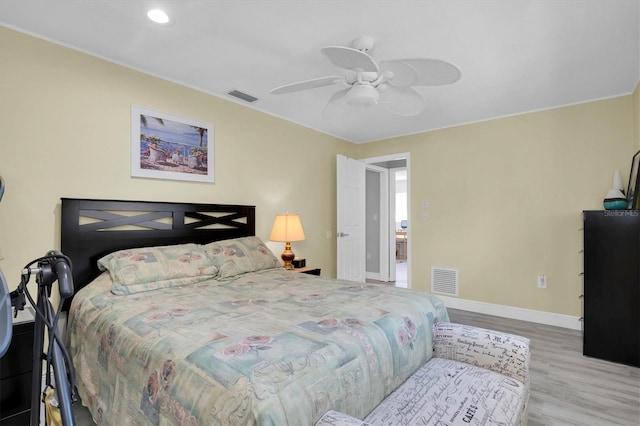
16, 376
15, 395
19, 357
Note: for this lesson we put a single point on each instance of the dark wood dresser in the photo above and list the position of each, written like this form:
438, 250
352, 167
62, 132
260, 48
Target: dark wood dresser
612, 285
15, 373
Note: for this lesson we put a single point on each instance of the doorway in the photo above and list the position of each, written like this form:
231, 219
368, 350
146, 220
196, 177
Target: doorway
389, 240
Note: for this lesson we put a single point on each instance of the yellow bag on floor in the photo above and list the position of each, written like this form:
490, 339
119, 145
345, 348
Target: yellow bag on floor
51, 410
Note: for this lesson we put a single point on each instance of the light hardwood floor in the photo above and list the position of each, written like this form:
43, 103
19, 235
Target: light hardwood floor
567, 388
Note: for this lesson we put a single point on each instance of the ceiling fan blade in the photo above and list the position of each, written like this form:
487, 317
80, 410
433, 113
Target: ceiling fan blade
349, 58
307, 84
421, 72
404, 101
337, 103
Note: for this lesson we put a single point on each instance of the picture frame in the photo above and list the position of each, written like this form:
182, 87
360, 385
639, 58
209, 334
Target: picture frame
167, 146
633, 189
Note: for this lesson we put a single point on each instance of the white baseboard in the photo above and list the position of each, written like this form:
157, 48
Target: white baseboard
540, 317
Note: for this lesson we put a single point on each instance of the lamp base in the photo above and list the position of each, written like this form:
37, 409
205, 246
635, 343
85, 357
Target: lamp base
287, 257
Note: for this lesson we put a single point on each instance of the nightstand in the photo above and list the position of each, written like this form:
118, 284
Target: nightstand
308, 270
15, 372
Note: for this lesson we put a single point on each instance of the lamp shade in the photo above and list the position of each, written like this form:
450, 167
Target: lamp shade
286, 228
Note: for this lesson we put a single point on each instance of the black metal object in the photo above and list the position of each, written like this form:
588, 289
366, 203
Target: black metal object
45, 279
52, 267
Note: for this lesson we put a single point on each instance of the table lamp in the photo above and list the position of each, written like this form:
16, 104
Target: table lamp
286, 228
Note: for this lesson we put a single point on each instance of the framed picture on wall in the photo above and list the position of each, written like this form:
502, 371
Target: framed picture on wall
633, 190
166, 146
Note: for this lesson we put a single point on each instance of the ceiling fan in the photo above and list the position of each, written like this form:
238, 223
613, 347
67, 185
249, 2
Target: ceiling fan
369, 83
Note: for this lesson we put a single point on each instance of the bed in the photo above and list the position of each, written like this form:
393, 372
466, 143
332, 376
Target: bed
183, 316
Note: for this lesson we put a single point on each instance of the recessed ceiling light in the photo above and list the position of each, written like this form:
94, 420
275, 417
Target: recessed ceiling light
158, 16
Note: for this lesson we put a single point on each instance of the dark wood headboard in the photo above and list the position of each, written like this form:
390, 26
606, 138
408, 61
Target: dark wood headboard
91, 229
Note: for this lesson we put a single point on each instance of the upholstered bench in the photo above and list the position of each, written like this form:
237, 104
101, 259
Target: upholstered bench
476, 376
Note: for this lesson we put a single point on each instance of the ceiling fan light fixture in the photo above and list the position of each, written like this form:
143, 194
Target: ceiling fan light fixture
362, 96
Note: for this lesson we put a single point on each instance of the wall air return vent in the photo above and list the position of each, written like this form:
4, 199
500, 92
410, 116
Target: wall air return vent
238, 94
444, 281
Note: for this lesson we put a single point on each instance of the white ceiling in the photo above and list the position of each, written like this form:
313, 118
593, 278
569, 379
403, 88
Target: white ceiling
515, 56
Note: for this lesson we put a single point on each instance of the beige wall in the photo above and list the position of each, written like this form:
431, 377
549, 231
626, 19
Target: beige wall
504, 196
65, 132
505, 199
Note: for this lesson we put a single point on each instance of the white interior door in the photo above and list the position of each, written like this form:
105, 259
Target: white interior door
351, 235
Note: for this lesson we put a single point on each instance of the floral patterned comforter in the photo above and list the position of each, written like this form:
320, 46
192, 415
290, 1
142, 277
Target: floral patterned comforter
272, 348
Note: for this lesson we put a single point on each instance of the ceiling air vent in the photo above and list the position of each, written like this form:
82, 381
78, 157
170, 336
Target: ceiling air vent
444, 281
238, 94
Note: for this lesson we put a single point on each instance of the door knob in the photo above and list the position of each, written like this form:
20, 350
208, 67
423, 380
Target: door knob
342, 234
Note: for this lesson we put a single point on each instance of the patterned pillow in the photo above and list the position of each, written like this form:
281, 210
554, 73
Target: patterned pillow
240, 255
150, 268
